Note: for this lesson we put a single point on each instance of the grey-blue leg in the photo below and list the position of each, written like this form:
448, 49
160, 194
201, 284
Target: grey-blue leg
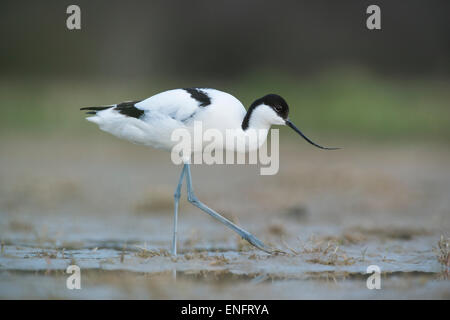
243, 233
176, 197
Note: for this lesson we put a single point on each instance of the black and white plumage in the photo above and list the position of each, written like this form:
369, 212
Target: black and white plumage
151, 122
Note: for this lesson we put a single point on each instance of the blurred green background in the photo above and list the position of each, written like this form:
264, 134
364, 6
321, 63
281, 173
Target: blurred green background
339, 78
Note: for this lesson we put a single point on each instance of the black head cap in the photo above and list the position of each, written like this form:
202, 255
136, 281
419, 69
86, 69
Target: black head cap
276, 102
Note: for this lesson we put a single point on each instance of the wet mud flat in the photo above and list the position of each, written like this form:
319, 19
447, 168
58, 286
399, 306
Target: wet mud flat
326, 264
112, 217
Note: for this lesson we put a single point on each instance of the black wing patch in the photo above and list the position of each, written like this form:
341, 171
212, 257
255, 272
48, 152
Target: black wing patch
128, 109
199, 95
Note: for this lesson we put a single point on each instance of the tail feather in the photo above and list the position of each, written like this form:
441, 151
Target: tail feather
94, 110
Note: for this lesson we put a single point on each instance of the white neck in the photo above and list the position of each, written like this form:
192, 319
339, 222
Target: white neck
255, 134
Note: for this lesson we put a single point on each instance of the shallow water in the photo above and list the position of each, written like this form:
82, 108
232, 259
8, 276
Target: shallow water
108, 218
121, 266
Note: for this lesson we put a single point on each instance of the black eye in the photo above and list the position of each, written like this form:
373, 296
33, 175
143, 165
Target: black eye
278, 108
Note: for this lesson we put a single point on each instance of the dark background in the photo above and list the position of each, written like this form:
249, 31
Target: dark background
222, 39
339, 78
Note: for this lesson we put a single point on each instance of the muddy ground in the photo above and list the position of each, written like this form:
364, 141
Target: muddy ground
106, 206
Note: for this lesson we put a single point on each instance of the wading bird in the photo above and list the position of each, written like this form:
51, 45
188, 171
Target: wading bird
151, 122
